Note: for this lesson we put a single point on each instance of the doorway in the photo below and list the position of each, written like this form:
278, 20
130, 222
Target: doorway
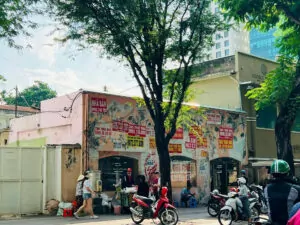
224, 172
113, 168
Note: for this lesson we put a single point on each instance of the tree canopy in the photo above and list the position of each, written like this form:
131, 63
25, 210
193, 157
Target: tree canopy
14, 20
147, 34
31, 96
281, 86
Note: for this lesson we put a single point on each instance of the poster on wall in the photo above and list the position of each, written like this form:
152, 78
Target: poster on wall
152, 143
150, 165
99, 105
225, 138
130, 129
214, 118
192, 143
175, 148
133, 141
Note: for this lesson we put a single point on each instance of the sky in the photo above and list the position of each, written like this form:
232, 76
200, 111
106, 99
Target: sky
64, 69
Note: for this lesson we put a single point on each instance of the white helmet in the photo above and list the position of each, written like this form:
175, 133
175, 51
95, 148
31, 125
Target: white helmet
232, 194
241, 180
215, 192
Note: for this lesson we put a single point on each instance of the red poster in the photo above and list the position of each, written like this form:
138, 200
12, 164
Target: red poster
192, 144
115, 125
213, 118
120, 126
226, 133
178, 134
143, 131
98, 105
125, 127
131, 129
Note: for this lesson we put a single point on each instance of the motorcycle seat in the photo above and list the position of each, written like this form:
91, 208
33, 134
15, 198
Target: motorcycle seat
145, 199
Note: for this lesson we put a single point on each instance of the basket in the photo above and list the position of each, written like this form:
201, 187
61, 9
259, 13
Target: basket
67, 213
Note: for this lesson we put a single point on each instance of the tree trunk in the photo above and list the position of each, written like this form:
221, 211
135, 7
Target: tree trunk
283, 139
283, 127
164, 157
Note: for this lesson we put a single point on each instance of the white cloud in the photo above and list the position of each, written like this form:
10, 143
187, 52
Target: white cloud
62, 81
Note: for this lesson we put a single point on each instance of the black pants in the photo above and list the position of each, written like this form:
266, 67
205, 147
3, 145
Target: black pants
79, 201
185, 199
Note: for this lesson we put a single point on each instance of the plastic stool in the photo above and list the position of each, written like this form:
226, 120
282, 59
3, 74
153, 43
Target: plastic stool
176, 204
193, 203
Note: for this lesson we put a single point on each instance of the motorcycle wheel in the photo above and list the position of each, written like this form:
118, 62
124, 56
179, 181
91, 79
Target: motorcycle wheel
135, 218
225, 217
254, 213
169, 217
213, 208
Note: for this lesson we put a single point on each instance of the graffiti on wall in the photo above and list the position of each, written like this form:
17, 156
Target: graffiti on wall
121, 125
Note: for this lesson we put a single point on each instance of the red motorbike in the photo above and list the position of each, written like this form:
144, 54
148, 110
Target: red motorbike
148, 208
215, 203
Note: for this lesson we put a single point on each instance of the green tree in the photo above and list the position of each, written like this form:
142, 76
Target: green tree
14, 19
281, 86
148, 34
31, 96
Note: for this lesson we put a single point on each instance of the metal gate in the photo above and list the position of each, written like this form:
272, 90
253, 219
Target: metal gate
21, 180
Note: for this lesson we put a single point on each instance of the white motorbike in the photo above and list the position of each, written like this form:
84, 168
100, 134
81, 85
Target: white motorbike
228, 213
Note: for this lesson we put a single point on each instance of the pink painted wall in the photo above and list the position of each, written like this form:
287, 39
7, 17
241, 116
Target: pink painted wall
56, 122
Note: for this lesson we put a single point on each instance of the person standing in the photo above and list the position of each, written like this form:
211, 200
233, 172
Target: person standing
87, 198
79, 192
128, 180
156, 185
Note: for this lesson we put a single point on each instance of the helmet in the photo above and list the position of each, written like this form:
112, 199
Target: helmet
243, 172
164, 191
233, 190
215, 192
129, 170
232, 194
241, 180
280, 166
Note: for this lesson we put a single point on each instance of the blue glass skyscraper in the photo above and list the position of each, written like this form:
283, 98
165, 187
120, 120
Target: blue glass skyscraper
262, 44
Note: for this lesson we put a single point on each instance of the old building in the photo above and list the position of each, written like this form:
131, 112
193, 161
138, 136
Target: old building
223, 83
116, 133
7, 112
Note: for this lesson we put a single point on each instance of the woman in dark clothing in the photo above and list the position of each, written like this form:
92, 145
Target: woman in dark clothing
143, 187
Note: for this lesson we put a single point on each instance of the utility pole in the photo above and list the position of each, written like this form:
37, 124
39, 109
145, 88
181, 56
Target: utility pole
16, 103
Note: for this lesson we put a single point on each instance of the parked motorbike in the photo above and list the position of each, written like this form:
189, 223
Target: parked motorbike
147, 208
215, 203
261, 198
228, 214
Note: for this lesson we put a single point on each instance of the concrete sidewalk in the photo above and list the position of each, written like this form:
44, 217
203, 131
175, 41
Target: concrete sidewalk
184, 214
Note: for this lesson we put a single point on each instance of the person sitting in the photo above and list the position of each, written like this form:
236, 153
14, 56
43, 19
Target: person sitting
235, 203
244, 193
143, 187
186, 194
294, 216
280, 193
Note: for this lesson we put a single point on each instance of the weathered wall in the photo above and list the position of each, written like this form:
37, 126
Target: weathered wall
71, 168
221, 92
56, 124
118, 126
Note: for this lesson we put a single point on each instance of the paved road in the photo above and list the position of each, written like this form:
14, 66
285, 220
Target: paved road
197, 216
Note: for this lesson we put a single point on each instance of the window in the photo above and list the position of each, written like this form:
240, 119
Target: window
218, 45
226, 34
226, 43
266, 117
218, 36
226, 52
218, 54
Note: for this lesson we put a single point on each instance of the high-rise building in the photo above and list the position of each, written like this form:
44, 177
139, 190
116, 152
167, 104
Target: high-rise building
229, 42
262, 44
